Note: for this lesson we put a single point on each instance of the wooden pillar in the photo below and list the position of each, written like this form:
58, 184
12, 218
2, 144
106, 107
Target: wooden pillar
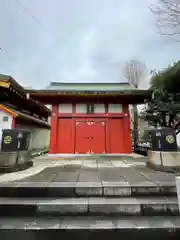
127, 130
13, 125
54, 126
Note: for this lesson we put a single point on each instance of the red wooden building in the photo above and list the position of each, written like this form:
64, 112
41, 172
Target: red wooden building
90, 117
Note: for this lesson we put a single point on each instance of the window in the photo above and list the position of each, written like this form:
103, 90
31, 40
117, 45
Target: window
90, 108
81, 108
115, 108
5, 119
65, 108
99, 108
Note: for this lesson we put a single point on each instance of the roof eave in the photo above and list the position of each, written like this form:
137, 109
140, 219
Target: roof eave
8, 82
33, 91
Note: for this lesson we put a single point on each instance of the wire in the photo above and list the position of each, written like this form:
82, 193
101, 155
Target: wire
26, 10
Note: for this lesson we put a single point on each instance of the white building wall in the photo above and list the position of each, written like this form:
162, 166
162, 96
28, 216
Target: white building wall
65, 108
178, 140
99, 108
5, 123
40, 137
81, 108
115, 108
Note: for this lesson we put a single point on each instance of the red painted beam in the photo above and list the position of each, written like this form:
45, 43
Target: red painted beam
54, 127
97, 115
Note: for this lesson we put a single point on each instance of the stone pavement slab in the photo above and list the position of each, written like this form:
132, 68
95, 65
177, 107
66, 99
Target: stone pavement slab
120, 164
112, 174
89, 176
130, 175
42, 178
66, 177
92, 170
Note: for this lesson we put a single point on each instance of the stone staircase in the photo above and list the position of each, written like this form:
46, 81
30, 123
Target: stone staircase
85, 210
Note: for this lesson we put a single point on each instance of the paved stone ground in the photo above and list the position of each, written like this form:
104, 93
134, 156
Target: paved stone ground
92, 169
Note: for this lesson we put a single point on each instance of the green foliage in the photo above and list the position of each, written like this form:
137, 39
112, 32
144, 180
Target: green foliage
168, 79
164, 109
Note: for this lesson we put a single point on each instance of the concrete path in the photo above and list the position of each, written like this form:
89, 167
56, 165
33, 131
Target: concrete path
109, 170
132, 156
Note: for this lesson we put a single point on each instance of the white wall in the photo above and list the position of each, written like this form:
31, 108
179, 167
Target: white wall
5, 123
65, 108
40, 137
115, 108
178, 139
82, 108
99, 108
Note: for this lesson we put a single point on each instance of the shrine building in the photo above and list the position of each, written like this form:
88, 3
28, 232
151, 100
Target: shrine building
90, 118
18, 110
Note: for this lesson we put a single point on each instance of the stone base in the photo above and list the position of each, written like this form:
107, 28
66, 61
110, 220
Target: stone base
14, 161
38, 152
15, 168
90, 228
178, 190
164, 161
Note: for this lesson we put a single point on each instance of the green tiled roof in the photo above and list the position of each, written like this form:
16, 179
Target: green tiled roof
88, 87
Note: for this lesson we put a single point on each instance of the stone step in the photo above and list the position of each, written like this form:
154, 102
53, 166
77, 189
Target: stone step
90, 228
86, 189
89, 206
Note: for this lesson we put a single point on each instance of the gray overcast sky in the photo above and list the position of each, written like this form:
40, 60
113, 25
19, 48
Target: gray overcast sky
78, 40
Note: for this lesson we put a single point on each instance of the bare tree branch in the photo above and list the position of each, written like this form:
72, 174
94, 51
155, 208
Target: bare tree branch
135, 72
167, 14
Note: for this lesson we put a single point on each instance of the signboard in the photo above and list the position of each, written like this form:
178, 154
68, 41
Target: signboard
170, 139
7, 139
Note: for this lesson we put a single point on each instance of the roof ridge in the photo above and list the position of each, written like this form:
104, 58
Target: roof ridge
68, 83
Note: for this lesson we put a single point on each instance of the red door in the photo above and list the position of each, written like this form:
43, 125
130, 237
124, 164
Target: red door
82, 137
97, 137
90, 137
65, 136
115, 136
